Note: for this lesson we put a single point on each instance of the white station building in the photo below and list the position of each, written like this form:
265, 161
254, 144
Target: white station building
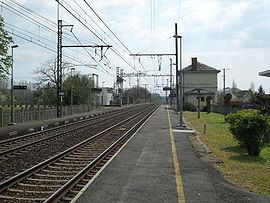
199, 78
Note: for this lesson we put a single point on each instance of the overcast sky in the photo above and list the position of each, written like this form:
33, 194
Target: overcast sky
231, 34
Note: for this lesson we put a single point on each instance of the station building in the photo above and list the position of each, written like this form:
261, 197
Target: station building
199, 78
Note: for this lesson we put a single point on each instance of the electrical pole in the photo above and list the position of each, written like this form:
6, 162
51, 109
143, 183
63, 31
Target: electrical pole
224, 111
71, 91
176, 67
181, 85
59, 70
171, 82
177, 72
60, 92
223, 83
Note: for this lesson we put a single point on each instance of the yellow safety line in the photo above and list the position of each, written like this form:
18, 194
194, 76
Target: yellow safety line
178, 178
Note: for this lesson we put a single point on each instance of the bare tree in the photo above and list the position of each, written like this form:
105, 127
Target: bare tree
47, 72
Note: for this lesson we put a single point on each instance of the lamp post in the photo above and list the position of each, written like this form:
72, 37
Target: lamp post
11, 87
71, 91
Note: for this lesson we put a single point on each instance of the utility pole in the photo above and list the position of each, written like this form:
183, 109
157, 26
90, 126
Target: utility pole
177, 72
224, 76
60, 92
11, 87
199, 103
223, 83
171, 81
71, 91
181, 86
59, 70
176, 68
167, 91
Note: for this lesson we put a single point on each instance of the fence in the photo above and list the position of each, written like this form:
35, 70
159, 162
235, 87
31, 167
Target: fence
36, 113
221, 109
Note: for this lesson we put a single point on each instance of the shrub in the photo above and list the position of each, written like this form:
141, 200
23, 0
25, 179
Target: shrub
248, 127
189, 107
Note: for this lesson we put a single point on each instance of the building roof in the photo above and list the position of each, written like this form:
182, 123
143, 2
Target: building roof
201, 67
265, 73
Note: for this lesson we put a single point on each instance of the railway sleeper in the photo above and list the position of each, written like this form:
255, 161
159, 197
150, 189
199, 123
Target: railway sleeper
84, 155
40, 185
22, 195
66, 198
22, 199
70, 164
29, 191
54, 176
57, 172
63, 168
77, 161
47, 180
79, 158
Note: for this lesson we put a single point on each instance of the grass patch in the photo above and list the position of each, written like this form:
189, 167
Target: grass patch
251, 173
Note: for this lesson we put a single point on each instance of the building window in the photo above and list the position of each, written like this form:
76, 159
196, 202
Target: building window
202, 98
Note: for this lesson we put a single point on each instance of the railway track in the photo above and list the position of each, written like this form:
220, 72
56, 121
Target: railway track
21, 143
63, 176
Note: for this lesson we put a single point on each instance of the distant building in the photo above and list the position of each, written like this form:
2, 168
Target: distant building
105, 97
202, 78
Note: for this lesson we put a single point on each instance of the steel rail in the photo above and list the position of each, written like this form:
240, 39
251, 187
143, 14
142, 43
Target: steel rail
61, 133
13, 180
93, 116
73, 181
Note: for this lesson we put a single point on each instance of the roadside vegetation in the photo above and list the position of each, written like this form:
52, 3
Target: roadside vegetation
246, 171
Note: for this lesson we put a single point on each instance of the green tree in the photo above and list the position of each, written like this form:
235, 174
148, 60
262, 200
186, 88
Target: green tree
137, 94
5, 41
47, 95
261, 100
80, 85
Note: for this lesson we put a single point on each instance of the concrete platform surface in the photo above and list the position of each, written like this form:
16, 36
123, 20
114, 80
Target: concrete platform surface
146, 170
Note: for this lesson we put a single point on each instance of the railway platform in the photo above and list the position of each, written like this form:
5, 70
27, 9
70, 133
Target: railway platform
159, 164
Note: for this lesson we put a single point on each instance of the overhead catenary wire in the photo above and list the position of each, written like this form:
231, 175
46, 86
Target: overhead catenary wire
115, 51
16, 29
19, 13
106, 26
31, 38
80, 21
10, 26
118, 38
35, 22
30, 11
86, 13
44, 46
89, 53
39, 43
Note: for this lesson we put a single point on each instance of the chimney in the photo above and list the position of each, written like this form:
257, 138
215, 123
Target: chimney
194, 63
